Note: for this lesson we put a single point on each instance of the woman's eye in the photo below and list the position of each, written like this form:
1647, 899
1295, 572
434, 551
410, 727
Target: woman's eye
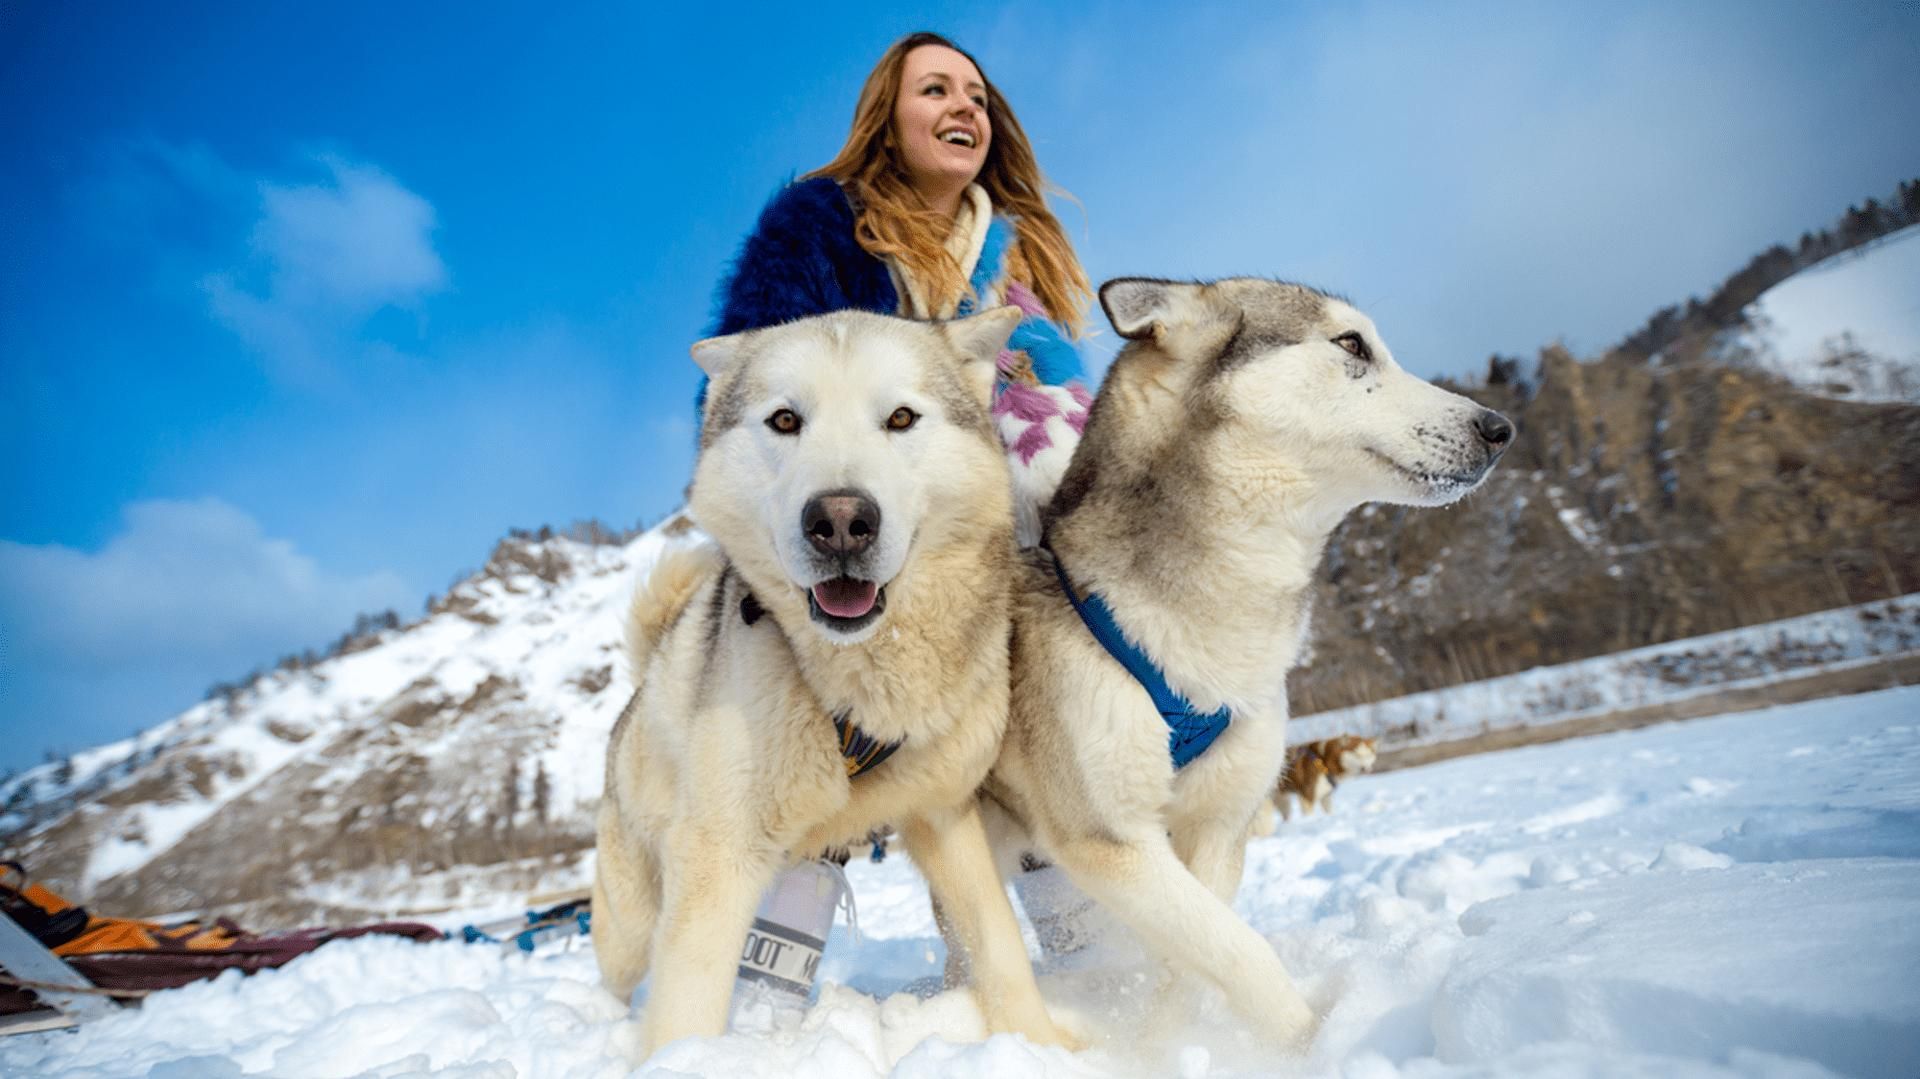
784, 422
980, 101
902, 418
936, 88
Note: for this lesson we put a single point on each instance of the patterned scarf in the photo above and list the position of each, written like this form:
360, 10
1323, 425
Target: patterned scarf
1040, 405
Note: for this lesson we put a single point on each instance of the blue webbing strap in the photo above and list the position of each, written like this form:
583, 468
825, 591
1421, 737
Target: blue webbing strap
1188, 732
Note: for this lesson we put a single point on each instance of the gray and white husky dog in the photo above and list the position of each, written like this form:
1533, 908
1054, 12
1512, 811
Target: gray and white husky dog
857, 597
1241, 422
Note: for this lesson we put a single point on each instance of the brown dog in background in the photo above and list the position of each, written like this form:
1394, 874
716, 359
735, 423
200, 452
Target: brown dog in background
1313, 770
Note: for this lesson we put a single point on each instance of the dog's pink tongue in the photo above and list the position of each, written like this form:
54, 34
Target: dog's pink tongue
844, 597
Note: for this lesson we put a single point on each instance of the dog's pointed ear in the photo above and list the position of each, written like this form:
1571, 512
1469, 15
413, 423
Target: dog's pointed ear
982, 336
1177, 315
716, 354
980, 339
1138, 305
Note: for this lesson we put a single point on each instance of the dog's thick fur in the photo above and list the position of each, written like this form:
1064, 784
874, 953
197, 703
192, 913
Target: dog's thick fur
725, 765
1243, 420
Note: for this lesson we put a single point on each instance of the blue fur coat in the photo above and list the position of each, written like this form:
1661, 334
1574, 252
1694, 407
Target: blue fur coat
801, 259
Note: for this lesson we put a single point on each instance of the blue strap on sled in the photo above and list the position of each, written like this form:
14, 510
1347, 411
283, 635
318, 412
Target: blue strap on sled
1189, 732
563, 920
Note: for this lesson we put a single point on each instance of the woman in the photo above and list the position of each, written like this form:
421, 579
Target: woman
934, 208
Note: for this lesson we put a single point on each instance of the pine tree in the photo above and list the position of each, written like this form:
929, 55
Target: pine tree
542, 793
510, 800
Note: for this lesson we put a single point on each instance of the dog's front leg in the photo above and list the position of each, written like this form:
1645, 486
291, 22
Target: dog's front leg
713, 885
1216, 854
950, 848
1145, 885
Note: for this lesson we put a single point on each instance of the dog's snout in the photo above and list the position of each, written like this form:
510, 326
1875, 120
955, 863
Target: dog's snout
1494, 429
840, 523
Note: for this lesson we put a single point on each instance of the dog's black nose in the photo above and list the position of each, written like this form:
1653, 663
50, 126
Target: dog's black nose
1495, 430
840, 523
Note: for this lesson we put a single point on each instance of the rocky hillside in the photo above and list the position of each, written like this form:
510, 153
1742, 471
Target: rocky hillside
1646, 499
1651, 496
431, 765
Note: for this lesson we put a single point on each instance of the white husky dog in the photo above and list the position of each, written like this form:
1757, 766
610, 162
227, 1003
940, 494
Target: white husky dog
837, 663
1242, 421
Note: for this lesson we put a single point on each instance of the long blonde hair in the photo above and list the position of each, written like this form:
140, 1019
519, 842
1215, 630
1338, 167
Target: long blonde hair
893, 222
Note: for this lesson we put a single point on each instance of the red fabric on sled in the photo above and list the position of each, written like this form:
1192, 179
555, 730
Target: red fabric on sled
128, 953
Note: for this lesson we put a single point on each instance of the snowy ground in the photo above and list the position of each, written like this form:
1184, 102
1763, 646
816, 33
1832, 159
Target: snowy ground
1731, 896
1750, 657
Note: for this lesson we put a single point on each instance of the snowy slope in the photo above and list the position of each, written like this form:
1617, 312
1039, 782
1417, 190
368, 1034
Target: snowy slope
1850, 326
511, 684
1757, 655
1729, 896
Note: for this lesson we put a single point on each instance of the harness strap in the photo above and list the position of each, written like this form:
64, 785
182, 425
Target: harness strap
862, 751
1189, 732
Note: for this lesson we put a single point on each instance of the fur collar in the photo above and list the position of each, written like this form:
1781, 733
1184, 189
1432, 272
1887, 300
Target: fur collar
964, 244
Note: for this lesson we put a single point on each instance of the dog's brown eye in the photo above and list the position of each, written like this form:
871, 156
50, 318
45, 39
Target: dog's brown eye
784, 422
902, 418
1354, 345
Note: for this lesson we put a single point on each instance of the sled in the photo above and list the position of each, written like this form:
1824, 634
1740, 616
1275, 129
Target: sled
57, 952
69, 997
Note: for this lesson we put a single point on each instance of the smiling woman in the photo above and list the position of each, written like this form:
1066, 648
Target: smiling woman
934, 208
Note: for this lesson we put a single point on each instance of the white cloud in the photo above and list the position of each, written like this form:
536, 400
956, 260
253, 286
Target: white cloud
185, 585
324, 259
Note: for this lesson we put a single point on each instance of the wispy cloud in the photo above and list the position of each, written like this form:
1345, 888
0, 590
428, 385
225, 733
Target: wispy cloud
324, 259
186, 585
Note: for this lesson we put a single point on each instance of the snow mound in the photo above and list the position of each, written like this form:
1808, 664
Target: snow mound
1849, 327
1813, 960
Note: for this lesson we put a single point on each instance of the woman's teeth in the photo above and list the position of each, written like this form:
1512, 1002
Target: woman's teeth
958, 138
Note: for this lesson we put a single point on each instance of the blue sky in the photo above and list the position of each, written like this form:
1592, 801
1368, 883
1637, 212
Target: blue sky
302, 306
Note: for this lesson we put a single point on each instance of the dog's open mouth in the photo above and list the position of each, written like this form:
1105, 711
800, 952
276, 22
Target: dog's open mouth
846, 603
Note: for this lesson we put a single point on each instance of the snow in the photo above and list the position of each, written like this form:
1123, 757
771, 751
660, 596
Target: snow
1752, 656
1865, 302
1729, 896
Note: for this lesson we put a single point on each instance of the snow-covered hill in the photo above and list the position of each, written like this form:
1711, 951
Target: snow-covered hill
459, 758
1848, 327
1734, 896
456, 762
394, 776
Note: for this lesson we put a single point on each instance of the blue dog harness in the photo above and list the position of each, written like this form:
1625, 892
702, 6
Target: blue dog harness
1189, 732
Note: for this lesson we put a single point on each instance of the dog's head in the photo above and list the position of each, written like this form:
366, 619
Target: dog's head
1351, 754
832, 446
1305, 372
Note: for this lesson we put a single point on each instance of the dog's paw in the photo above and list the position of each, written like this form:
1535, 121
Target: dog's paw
1053, 1033
1296, 1024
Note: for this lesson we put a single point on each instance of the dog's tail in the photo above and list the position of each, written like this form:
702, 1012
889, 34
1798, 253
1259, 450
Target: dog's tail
660, 599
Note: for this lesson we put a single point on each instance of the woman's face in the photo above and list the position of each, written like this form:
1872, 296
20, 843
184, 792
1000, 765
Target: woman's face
940, 118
